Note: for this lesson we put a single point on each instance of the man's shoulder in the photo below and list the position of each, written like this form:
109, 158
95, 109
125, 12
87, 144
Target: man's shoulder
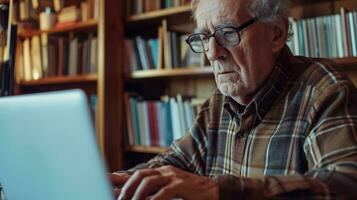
319, 73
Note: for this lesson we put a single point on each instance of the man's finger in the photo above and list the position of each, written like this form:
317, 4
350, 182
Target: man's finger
150, 185
131, 185
118, 179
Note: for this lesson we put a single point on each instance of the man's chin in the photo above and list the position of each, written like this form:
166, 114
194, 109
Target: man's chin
228, 91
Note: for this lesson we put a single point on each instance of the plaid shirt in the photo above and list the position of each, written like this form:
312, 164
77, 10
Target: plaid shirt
297, 138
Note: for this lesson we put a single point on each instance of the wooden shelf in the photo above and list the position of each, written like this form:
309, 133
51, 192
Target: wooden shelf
60, 80
345, 63
80, 26
154, 73
143, 149
159, 13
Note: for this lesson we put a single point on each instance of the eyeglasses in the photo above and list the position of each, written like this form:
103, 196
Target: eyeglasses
227, 36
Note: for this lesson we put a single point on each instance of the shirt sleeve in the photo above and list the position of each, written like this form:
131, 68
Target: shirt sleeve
187, 153
331, 151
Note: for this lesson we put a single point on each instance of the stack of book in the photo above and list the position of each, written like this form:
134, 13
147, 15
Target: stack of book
333, 36
49, 55
68, 16
158, 123
142, 6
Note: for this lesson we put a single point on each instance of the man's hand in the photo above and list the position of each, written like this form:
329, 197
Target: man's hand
168, 182
118, 180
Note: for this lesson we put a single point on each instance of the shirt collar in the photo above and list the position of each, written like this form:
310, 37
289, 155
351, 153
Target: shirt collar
270, 90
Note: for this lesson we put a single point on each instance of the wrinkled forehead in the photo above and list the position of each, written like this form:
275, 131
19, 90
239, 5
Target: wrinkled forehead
215, 12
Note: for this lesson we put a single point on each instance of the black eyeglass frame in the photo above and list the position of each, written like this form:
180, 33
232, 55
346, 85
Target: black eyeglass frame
208, 36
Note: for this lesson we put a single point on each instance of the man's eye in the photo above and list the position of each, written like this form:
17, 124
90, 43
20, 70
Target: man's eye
228, 33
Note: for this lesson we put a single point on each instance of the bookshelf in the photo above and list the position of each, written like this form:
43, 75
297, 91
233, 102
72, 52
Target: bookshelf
181, 72
102, 83
143, 149
90, 25
61, 80
184, 9
175, 80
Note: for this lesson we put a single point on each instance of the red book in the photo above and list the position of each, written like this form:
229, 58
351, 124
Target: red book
154, 133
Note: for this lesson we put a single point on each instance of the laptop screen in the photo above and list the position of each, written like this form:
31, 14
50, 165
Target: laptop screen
48, 148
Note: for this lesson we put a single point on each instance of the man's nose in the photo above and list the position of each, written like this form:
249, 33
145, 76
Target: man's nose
215, 50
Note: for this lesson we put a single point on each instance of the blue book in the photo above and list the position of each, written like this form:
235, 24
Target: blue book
135, 120
169, 3
175, 119
161, 119
145, 117
168, 131
140, 112
352, 33
154, 48
301, 38
189, 114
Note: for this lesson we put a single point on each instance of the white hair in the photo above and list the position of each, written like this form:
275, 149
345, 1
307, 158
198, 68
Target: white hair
268, 11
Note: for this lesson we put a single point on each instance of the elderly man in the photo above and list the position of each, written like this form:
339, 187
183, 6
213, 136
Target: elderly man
278, 126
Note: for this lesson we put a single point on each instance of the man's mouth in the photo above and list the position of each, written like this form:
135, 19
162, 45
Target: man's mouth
227, 72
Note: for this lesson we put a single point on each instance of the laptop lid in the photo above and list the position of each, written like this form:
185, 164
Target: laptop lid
48, 148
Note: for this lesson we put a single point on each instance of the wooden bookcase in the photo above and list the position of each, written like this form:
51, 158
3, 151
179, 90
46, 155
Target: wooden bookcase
145, 24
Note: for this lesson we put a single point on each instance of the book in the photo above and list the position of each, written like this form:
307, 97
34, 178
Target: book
84, 11
27, 60
58, 5
345, 33
130, 119
72, 14
73, 56
36, 57
160, 53
45, 56
352, 24
166, 45
93, 55
175, 119
19, 69
153, 123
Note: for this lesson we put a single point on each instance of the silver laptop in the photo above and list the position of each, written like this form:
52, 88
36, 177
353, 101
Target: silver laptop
48, 149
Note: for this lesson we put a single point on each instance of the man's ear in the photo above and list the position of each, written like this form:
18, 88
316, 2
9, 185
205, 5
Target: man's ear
281, 32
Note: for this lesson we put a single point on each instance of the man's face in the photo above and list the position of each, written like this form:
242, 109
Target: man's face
241, 69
